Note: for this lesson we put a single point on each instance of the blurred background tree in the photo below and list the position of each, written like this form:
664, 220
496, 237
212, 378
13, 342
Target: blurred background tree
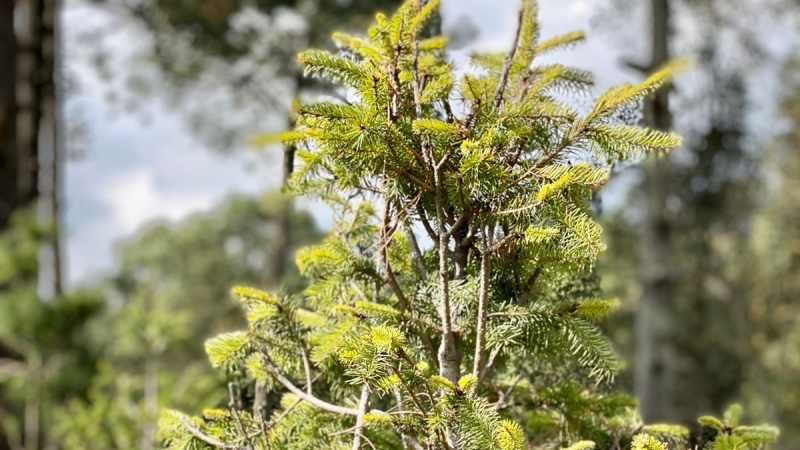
685, 253
48, 353
171, 292
773, 273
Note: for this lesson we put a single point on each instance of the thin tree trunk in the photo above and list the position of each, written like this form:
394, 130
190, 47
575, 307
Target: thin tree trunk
48, 141
8, 113
483, 301
33, 403
150, 404
53, 109
655, 358
449, 351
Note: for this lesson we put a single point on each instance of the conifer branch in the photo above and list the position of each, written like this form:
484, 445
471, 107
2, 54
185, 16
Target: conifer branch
363, 402
312, 400
501, 86
489, 364
423, 218
387, 266
411, 393
306, 369
483, 299
194, 431
419, 261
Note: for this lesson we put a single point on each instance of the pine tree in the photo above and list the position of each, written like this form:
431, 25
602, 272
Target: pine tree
483, 332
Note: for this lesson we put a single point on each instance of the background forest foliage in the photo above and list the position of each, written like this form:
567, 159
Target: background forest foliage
93, 368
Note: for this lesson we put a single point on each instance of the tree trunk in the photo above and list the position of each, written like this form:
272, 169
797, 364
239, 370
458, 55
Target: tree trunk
8, 112
50, 144
655, 358
151, 382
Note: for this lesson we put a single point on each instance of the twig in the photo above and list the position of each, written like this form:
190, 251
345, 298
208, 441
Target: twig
419, 262
427, 225
194, 431
483, 299
489, 364
306, 369
386, 238
234, 403
410, 392
362, 411
501, 86
312, 400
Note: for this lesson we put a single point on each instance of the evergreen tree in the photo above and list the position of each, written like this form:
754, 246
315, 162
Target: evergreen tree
770, 386
483, 332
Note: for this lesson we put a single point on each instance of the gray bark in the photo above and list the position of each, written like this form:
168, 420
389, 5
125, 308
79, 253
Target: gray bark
8, 111
655, 359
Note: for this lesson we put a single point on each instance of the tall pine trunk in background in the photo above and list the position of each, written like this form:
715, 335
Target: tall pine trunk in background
8, 147
45, 137
29, 141
8, 109
655, 356
51, 147
284, 225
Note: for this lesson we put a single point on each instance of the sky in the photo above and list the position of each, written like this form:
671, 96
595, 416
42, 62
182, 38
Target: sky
132, 168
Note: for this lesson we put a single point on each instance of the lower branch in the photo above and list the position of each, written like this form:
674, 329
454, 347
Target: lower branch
314, 401
483, 302
363, 402
194, 431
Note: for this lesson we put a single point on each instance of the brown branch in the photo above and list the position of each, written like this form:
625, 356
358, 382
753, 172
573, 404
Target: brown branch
312, 400
306, 369
427, 225
483, 299
489, 364
194, 431
419, 262
386, 239
414, 398
460, 222
501, 86
363, 402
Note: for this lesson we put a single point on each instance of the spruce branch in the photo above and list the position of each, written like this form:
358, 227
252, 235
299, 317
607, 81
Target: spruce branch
419, 260
386, 238
363, 403
197, 433
501, 86
312, 400
307, 369
483, 299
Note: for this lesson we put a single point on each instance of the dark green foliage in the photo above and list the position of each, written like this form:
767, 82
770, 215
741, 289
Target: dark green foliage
48, 356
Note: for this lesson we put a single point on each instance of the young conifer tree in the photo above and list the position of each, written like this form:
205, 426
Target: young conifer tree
454, 304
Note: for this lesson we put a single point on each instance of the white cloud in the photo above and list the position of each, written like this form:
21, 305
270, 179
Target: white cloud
134, 199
